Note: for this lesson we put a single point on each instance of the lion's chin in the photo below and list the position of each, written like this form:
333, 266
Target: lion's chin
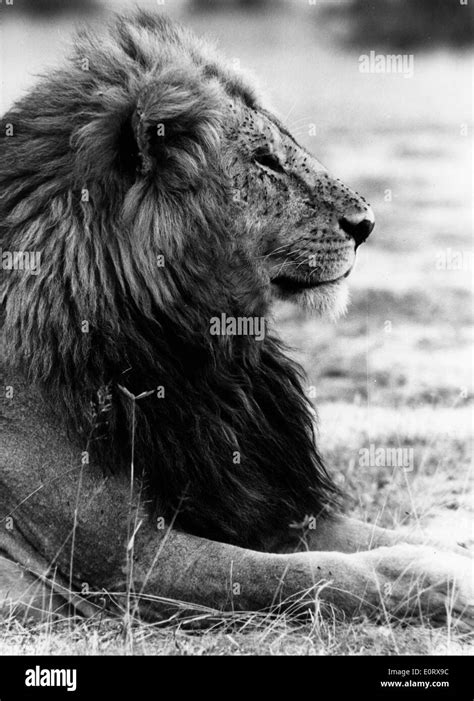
328, 300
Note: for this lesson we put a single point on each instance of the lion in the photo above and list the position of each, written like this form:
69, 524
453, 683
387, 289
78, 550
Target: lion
158, 447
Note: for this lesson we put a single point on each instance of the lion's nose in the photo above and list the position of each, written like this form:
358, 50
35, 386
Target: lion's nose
359, 225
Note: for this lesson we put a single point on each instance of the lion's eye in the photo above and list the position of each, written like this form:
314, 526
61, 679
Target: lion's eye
267, 160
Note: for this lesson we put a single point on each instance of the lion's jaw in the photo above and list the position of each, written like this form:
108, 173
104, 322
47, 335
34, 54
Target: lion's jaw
328, 299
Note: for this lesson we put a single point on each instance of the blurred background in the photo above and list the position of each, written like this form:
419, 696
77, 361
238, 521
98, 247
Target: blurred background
397, 370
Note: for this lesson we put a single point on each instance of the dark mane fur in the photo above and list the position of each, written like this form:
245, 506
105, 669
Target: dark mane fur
148, 326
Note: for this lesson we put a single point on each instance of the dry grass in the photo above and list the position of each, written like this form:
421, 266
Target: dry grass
245, 634
405, 383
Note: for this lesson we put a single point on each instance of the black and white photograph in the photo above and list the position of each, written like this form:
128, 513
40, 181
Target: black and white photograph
236, 340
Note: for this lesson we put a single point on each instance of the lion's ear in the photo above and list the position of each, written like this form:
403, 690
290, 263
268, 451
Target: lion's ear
176, 124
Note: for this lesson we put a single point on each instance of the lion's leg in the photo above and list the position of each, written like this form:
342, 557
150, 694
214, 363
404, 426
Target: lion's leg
30, 588
349, 535
399, 581
22, 594
163, 573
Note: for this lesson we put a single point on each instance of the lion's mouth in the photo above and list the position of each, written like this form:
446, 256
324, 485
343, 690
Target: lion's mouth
293, 285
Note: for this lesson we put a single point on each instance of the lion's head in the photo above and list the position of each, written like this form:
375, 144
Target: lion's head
159, 194
297, 226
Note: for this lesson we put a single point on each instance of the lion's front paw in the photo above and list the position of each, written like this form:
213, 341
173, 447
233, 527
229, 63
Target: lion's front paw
424, 583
